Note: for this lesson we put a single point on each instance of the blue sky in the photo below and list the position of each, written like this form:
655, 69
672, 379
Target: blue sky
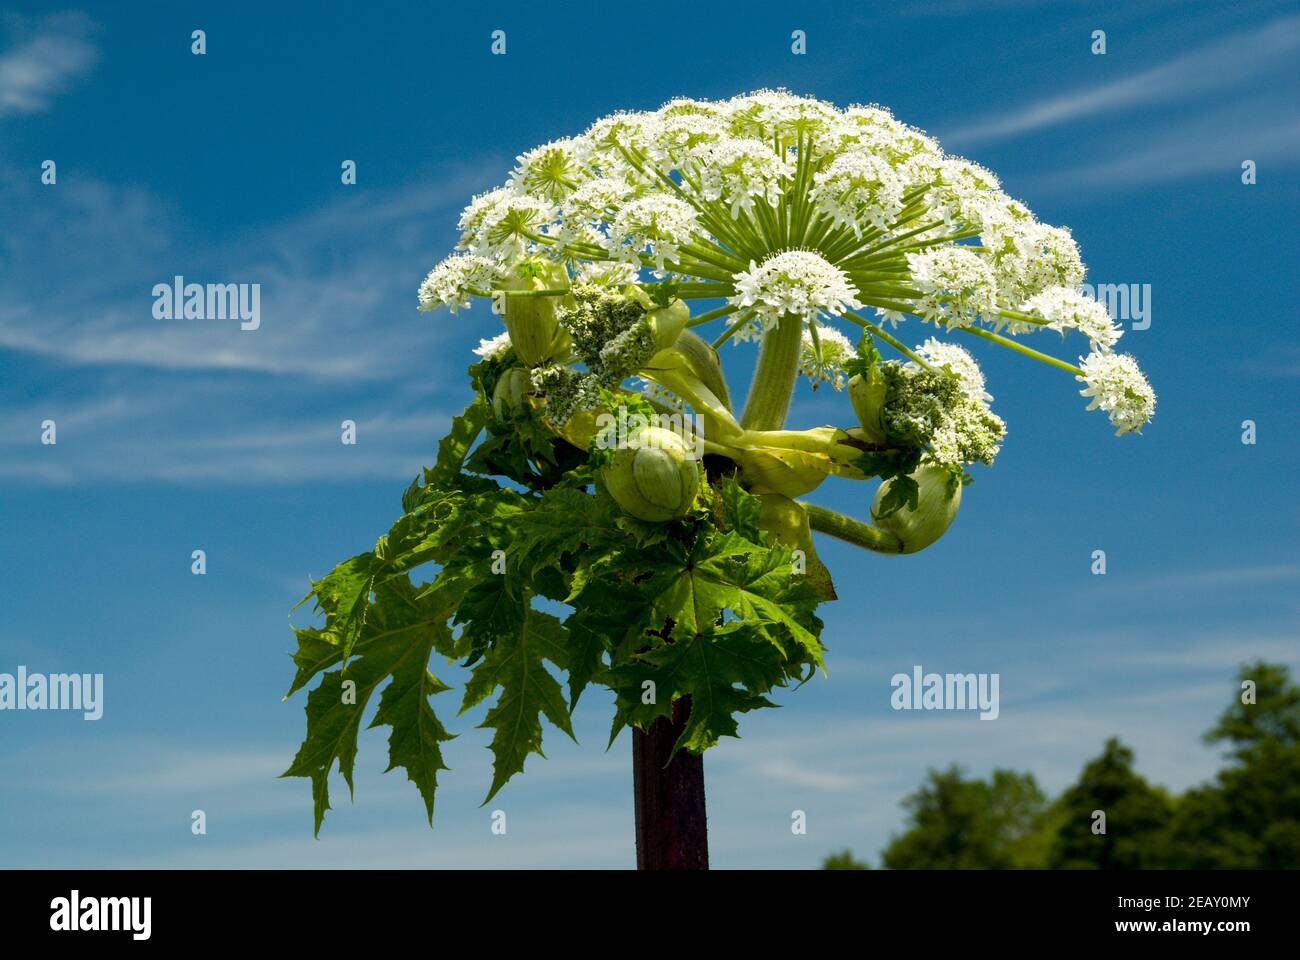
174, 436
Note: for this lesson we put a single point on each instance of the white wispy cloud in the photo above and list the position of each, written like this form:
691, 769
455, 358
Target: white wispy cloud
99, 438
340, 338
1219, 576
1215, 143
322, 314
42, 61
1221, 64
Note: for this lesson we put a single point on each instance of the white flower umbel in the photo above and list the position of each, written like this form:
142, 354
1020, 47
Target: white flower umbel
487, 349
657, 223
551, 171
963, 191
1042, 257
798, 282
940, 354
453, 281
1118, 386
1067, 309
596, 200
874, 130
859, 190
498, 224
779, 115
739, 173
617, 274
933, 408
826, 364
680, 131
957, 285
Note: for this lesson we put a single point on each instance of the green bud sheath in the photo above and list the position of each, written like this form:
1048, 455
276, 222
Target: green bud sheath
534, 331
936, 506
790, 473
657, 479
788, 522
668, 323
867, 394
702, 360
654, 480
514, 385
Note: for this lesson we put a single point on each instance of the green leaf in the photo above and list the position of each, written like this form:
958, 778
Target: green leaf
727, 573
454, 447
415, 743
395, 638
343, 595
741, 510
609, 614
724, 672
516, 665
903, 492
730, 620
868, 355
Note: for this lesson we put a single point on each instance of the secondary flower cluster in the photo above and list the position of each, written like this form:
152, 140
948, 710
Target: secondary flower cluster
785, 209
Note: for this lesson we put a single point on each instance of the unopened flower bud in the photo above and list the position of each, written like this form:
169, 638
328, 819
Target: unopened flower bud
531, 322
654, 477
514, 385
937, 501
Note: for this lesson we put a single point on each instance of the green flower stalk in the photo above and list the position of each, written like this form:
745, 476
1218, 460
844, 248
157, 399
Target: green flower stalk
623, 258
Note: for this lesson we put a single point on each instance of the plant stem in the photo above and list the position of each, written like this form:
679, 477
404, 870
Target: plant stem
849, 530
671, 820
1021, 349
774, 375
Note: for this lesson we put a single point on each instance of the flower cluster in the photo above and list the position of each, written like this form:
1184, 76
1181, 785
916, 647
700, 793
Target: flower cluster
453, 281
799, 283
932, 409
1118, 386
613, 338
822, 355
1065, 309
787, 209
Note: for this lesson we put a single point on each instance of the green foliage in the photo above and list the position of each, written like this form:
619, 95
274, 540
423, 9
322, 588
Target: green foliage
1137, 816
960, 824
1249, 816
705, 607
843, 860
868, 355
894, 463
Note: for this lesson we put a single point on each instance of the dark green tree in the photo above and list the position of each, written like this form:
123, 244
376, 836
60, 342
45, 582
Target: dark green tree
1249, 816
956, 823
844, 860
1136, 817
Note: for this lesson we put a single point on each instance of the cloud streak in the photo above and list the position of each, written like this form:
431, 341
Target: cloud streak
1215, 66
41, 66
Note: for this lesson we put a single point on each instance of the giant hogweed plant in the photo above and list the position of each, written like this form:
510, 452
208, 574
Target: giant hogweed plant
575, 523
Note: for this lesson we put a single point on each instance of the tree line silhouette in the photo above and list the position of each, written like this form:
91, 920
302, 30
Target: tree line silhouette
1112, 818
